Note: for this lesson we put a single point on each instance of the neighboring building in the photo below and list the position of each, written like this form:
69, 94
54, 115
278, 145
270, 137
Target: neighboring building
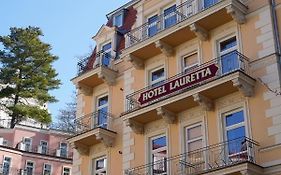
27, 150
182, 87
5, 119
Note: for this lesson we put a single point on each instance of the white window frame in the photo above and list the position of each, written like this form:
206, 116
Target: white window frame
238, 125
51, 170
190, 66
100, 107
158, 80
67, 168
122, 19
42, 146
196, 139
33, 167
158, 150
220, 54
66, 148
95, 160
10, 163
30, 148
168, 16
228, 50
152, 24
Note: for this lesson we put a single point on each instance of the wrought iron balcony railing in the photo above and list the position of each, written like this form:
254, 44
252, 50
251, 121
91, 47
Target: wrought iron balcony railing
166, 20
98, 119
190, 79
45, 151
210, 158
102, 59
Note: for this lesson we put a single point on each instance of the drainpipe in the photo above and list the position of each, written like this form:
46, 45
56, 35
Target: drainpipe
276, 35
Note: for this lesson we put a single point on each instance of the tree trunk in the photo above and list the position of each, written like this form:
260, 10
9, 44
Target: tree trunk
14, 116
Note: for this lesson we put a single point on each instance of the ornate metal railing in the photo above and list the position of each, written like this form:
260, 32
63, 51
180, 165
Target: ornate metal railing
102, 59
98, 119
203, 160
165, 21
232, 62
48, 152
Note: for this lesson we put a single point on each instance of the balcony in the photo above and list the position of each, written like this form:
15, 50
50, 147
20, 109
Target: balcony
197, 86
231, 157
93, 129
188, 20
93, 72
45, 151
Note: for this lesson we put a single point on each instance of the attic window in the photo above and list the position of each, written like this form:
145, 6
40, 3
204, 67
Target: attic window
118, 19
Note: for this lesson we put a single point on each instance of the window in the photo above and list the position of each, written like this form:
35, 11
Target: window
229, 59
47, 169
29, 167
66, 171
152, 25
118, 20
106, 54
194, 141
27, 144
157, 76
189, 62
209, 3
158, 154
235, 132
170, 17
7, 165
63, 149
99, 166
44, 147
102, 108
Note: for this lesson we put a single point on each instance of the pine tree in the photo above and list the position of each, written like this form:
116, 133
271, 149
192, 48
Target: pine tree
27, 73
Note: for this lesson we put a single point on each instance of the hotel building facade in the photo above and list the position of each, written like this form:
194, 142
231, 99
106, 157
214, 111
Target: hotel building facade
180, 87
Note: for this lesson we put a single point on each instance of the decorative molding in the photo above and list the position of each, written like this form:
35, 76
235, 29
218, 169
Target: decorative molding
199, 31
136, 62
105, 139
85, 90
248, 172
137, 127
81, 148
168, 116
244, 86
236, 14
206, 103
108, 75
165, 48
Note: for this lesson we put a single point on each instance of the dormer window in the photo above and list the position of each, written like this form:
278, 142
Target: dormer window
118, 19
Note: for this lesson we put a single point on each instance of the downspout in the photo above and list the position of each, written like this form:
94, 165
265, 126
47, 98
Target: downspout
276, 36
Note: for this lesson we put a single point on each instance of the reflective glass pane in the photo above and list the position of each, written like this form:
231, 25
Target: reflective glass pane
235, 118
157, 74
170, 16
159, 143
236, 146
194, 132
103, 101
160, 163
194, 145
229, 62
100, 164
227, 44
209, 3
152, 25
118, 20
236, 133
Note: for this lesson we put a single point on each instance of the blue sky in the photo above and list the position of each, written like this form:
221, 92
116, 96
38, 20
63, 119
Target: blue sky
68, 25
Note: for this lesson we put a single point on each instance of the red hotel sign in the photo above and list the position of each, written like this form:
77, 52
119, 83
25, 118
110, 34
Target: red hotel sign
178, 84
